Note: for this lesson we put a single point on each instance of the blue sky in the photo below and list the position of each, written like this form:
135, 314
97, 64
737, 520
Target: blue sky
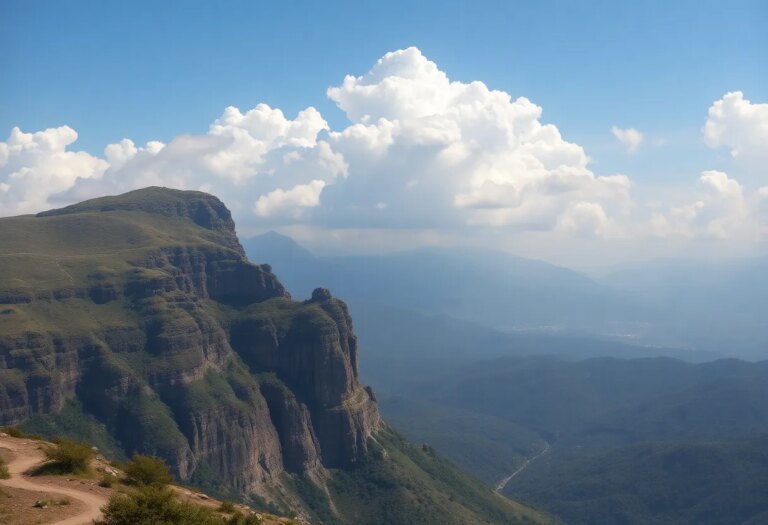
156, 70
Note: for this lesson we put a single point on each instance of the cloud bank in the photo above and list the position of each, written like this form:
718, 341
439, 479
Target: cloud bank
420, 151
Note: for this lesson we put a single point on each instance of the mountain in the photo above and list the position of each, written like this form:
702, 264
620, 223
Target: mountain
612, 401
493, 289
714, 305
137, 319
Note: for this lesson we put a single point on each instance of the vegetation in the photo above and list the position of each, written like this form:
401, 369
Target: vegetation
147, 470
151, 505
710, 483
227, 507
404, 483
19, 433
4, 474
107, 480
66, 457
487, 446
73, 423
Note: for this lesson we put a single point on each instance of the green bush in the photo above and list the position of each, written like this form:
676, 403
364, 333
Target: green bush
107, 480
156, 505
147, 470
227, 506
66, 457
16, 432
240, 519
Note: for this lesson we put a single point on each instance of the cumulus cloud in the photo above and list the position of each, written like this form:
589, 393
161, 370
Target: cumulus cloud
735, 123
447, 152
420, 152
720, 210
630, 138
290, 202
33, 166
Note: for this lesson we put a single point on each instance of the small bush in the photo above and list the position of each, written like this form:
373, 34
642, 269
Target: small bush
107, 480
227, 506
66, 457
16, 432
147, 470
240, 519
4, 474
155, 504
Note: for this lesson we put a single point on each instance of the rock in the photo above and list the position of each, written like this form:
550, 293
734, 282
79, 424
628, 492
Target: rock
321, 294
245, 383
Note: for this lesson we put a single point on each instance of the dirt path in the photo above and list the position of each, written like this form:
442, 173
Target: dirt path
503, 482
25, 456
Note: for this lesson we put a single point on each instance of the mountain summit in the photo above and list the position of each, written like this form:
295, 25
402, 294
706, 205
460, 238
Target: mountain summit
138, 322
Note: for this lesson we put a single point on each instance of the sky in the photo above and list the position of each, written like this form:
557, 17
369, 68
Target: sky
581, 133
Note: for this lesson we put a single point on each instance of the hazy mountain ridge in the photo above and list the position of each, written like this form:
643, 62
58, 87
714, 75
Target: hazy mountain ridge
494, 289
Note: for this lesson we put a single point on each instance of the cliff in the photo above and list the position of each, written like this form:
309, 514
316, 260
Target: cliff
140, 318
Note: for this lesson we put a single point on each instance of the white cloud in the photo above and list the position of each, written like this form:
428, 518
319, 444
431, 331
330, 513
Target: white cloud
451, 153
421, 152
737, 124
34, 166
584, 218
630, 138
290, 202
719, 211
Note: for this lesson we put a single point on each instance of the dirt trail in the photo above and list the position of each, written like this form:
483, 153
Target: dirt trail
25, 456
504, 481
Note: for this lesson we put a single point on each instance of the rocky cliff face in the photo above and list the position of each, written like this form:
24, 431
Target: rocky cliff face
180, 346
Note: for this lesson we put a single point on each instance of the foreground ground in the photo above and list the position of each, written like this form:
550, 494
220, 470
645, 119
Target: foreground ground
67, 499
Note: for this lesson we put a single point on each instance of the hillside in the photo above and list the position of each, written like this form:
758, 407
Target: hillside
137, 320
702, 483
630, 440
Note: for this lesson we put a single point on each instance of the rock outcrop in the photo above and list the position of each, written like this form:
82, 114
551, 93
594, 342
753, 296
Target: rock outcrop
181, 347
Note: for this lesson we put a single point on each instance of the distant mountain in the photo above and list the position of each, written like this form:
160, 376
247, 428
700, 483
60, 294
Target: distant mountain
138, 321
493, 289
612, 401
717, 306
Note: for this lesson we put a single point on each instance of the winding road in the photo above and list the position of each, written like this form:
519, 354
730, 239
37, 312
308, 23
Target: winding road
504, 481
25, 457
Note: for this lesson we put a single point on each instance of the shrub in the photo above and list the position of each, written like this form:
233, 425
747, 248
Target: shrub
4, 474
16, 432
107, 480
155, 504
240, 519
66, 457
227, 506
147, 470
